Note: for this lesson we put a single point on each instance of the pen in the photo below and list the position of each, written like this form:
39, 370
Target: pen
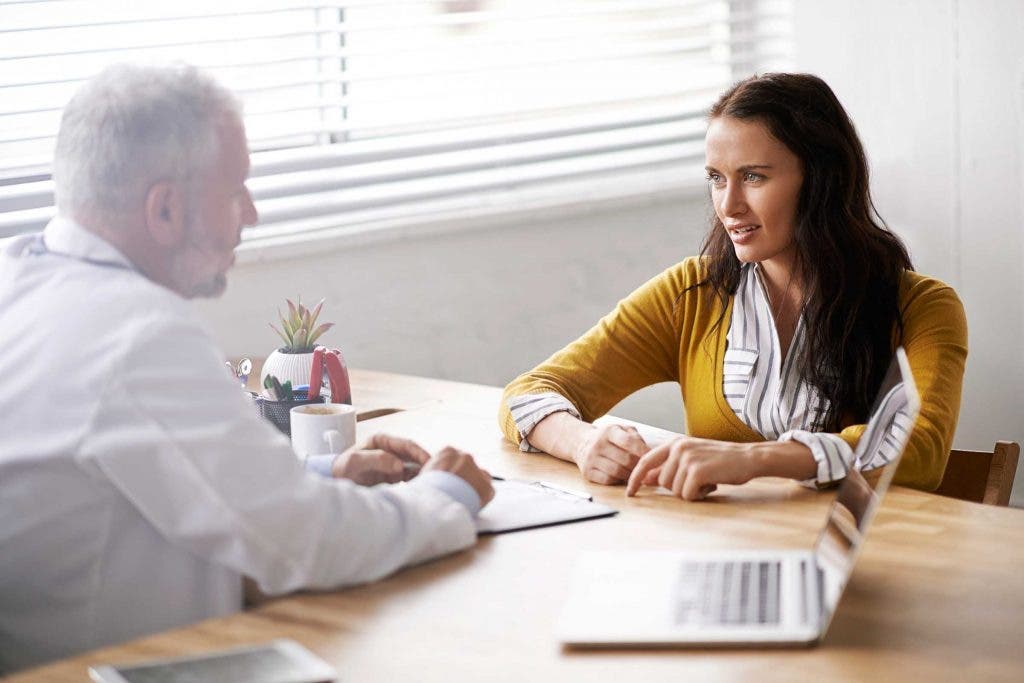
552, 487
559, 489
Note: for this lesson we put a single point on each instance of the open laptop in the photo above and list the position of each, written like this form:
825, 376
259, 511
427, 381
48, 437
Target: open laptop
742, 598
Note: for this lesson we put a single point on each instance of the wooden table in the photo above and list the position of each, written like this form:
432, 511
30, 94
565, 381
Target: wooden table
937, 595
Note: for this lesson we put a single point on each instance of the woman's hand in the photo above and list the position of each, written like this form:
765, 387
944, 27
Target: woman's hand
607, 454
381, 459
692, 468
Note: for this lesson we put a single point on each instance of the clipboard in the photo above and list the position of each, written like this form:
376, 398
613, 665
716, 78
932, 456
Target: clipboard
520, 505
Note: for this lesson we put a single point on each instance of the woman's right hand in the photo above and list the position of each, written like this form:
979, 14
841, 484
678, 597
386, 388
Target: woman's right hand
607, 454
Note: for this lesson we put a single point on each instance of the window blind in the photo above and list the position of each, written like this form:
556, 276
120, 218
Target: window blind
369, 108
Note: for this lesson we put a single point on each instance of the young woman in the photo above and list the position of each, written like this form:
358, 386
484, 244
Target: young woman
779, 334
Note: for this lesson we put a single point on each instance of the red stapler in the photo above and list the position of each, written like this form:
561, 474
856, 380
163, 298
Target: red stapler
329, 367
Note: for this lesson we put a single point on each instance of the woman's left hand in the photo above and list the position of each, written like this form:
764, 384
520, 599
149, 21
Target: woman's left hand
692, 468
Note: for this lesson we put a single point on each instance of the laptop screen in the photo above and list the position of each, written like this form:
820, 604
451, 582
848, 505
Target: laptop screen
877, 455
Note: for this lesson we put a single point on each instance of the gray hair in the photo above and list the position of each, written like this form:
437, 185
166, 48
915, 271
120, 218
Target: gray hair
131, 126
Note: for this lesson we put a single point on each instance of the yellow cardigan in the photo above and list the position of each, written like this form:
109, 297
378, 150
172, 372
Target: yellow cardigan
663, 333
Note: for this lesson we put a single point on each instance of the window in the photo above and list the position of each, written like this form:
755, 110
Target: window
370, 109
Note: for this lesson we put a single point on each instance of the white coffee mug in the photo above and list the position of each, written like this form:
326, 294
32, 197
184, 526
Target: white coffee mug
322, 428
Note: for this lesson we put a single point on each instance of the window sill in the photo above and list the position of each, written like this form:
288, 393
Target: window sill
478, 212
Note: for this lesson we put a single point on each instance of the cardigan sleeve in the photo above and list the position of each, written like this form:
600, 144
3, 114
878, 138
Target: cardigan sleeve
935, 339
634, 346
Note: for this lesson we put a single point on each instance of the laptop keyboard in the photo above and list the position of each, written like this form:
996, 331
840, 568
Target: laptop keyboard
729, 593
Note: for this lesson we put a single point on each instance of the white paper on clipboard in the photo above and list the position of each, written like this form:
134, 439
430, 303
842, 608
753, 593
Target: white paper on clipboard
520, 505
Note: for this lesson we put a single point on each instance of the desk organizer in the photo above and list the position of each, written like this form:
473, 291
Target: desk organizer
279, 412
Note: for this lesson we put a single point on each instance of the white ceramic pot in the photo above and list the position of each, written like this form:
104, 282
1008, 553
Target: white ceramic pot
293, 367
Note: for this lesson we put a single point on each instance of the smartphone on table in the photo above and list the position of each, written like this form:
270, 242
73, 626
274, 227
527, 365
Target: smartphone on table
280, 661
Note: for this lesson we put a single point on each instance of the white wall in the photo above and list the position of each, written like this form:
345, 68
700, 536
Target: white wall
936, 91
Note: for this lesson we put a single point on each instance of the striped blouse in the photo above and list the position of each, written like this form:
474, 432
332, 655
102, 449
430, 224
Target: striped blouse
766, 391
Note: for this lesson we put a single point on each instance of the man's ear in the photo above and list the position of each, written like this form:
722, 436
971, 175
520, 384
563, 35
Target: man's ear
165, 213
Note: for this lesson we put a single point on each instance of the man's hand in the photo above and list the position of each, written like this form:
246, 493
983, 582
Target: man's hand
382, 459
607, 454
692, 468
462, 465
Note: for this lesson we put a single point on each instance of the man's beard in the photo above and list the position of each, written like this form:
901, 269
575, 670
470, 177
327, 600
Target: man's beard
191, 269
209, 288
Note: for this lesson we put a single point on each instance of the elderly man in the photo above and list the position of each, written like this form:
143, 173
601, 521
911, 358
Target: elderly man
137, 486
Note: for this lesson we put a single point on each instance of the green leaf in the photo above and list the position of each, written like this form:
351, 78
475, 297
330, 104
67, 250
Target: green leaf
315, 334
280, 333
286, 325
316, 313
300, 341
293, 315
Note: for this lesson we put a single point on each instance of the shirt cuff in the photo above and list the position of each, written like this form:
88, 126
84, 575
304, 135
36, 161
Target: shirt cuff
529, 409
454, 486
321, 464
832, 454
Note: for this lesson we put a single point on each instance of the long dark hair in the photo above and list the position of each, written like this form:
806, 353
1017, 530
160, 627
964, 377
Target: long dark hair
850, 262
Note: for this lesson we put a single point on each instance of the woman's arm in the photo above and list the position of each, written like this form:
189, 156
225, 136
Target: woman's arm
636, 345
935, 340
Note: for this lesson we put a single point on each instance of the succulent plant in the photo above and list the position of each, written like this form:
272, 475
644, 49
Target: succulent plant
299, 329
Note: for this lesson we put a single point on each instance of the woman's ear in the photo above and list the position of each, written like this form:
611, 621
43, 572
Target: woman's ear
165, 213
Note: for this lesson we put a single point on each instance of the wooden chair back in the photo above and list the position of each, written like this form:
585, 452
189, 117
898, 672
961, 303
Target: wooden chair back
980, 476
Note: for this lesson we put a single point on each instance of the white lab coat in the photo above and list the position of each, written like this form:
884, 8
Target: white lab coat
137, 484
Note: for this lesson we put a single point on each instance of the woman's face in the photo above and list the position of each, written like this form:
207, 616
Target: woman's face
755, 185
